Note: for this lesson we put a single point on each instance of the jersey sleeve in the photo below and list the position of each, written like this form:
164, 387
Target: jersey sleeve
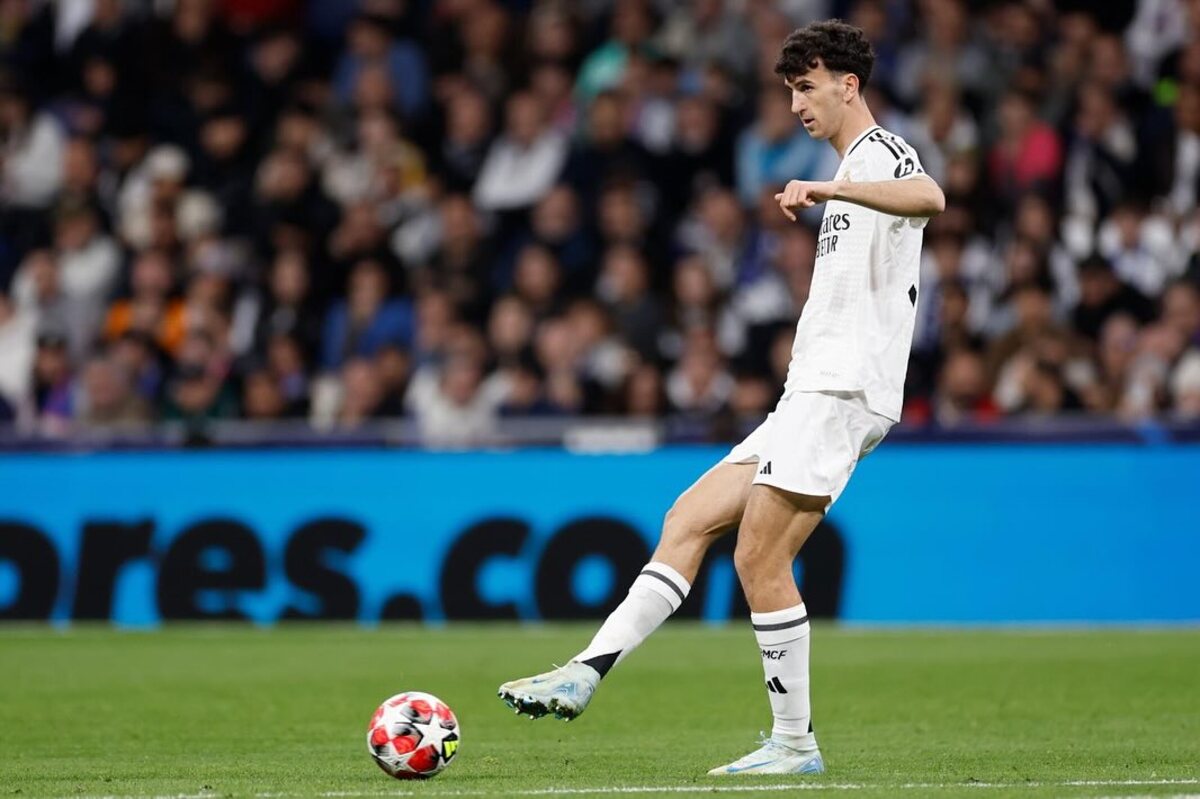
890, 157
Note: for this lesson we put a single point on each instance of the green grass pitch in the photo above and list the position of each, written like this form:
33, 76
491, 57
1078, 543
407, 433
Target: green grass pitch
228, 711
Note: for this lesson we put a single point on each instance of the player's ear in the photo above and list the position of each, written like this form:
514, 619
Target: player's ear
849, 86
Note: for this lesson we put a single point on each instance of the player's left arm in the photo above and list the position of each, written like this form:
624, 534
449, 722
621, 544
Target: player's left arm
917, 196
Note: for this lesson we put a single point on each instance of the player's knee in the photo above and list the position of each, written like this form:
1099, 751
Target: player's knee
748, 560
680, 527
757, 563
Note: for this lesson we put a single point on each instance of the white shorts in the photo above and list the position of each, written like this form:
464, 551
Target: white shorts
812, 441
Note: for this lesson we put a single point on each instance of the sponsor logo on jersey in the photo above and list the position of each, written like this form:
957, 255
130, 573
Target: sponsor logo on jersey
831, 226
834, 223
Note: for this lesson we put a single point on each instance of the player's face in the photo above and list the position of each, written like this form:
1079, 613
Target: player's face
819, 99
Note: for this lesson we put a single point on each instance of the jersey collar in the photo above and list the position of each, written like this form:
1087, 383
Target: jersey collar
859, 139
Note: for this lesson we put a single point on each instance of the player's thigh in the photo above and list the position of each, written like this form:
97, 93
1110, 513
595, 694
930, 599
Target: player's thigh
712, 505
775, 525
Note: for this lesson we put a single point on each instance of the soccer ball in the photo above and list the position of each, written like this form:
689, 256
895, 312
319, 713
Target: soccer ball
413, 736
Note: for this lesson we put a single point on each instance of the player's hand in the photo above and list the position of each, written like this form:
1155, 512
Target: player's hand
801, 194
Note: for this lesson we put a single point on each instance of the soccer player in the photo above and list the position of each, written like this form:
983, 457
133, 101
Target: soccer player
843, 393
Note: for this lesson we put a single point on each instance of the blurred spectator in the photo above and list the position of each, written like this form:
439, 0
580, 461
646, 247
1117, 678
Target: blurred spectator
370, 44
1142, 248
700, 382
151, 309
1028, 154
1032, 313
287, 365
962, 394
460, 266
551, 83
107, 398
1185, 386
456, 404
88, 260
631, 26
942, 129
17, 338
524, 161
604, 153
699, 306
262, 398
624, 285
461, 152
538, 280
1035, 222
1181, 310
708, 32
774, 150
289, 308
1102, 295
138, 360
366, 320
526, 390
556, 223
702, 155
52, 381
644, 394
948, 263
31, 146
1100, 160
603, 359
364, 394
651, 87
200, 389
39, 293
946, 47
510, 330
1147, 390
717, 230
1179, 160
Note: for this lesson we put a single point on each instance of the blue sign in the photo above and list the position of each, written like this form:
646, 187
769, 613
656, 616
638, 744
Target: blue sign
953, 533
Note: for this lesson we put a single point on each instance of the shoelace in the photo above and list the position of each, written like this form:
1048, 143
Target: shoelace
771, 743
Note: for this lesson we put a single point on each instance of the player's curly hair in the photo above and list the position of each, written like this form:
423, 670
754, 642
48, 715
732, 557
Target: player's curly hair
840, 46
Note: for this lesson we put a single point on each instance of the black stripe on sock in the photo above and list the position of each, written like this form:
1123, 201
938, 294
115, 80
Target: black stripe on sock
783, 625
668, 581
602, 663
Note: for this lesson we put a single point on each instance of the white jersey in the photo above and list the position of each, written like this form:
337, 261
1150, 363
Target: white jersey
856, 328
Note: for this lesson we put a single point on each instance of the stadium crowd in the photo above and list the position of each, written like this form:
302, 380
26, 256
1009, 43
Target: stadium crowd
461, 210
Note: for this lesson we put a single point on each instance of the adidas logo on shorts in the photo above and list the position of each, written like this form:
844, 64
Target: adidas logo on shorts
766, 469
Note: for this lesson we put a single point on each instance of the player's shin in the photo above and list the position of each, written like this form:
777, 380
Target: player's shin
657, 592
783, 639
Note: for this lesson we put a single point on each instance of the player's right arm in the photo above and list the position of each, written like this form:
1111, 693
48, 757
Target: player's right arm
917, 197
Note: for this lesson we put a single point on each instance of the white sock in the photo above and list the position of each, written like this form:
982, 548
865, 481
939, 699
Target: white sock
657, 592
783, 639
